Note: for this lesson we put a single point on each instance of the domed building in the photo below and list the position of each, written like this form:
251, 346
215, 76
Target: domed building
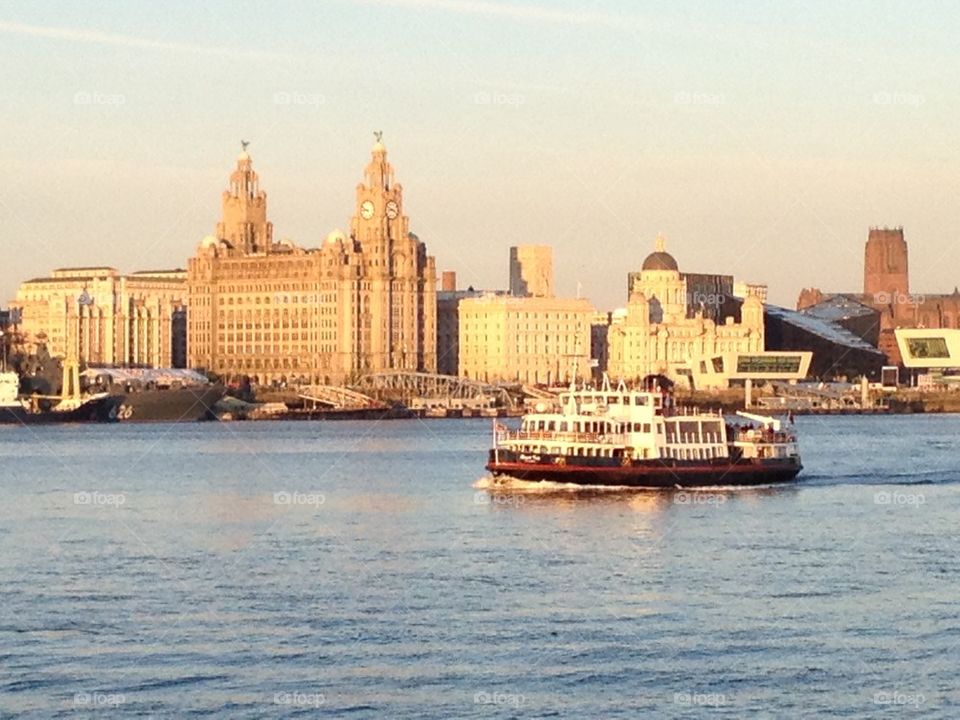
669, 328
659, 259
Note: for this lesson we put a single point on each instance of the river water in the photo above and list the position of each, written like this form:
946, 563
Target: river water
360, 569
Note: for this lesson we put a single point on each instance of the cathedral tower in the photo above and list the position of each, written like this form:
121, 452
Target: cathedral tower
885, 275
243, 222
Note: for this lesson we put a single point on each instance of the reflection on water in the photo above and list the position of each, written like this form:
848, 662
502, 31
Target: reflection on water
507, 491
362, 570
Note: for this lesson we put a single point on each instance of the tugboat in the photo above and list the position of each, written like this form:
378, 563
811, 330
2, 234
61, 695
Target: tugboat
623, 438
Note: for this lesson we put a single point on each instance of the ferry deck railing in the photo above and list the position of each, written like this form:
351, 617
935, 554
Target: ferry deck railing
555, 436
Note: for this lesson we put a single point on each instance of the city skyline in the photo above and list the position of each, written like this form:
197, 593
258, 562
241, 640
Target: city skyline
745, 171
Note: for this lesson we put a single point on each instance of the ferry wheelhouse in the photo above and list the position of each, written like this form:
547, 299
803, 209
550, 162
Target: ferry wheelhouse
619, 437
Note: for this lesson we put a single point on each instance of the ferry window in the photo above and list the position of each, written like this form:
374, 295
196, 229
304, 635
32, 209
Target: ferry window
612, 400
551, 425
646, 427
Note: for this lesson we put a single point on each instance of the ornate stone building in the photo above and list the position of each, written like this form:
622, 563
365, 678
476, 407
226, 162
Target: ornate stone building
657, 336
363, 302
100, 317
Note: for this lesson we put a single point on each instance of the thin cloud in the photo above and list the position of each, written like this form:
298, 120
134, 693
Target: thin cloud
101, 38
518, 12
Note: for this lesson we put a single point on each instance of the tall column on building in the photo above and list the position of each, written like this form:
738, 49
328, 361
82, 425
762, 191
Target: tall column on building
243, 222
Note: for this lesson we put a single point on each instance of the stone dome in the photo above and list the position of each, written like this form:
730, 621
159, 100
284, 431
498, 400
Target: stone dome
660, 259
335, 237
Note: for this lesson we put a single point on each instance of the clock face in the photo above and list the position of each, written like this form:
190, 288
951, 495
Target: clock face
366, 209
392, 209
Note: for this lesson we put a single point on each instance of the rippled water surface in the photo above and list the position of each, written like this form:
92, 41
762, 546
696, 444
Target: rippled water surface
349, 569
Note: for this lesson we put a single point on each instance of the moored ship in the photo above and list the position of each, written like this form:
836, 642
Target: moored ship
622, 438
38, 409
159, 394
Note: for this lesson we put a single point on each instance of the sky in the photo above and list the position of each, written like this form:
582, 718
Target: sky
761, 139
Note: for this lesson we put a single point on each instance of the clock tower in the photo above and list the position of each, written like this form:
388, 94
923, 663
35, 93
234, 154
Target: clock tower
379, 218
398, 296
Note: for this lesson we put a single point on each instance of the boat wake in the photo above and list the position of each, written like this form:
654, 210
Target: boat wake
506, 484
932, 477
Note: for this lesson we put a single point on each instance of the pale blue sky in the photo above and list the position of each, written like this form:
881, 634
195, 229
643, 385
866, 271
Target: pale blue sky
761, 138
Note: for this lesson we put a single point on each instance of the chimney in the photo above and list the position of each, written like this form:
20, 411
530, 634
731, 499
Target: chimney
449, 281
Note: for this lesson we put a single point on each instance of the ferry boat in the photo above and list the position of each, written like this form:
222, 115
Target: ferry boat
623, 438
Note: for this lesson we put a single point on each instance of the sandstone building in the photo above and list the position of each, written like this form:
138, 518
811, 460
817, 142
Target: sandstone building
532, 340
660, 334
100, 317
448, 321
363, 302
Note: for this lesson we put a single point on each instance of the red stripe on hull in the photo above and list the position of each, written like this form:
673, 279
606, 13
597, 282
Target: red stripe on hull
653, 476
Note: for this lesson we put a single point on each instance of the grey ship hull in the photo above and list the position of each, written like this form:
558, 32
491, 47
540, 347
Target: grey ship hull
96, 410
188, 404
